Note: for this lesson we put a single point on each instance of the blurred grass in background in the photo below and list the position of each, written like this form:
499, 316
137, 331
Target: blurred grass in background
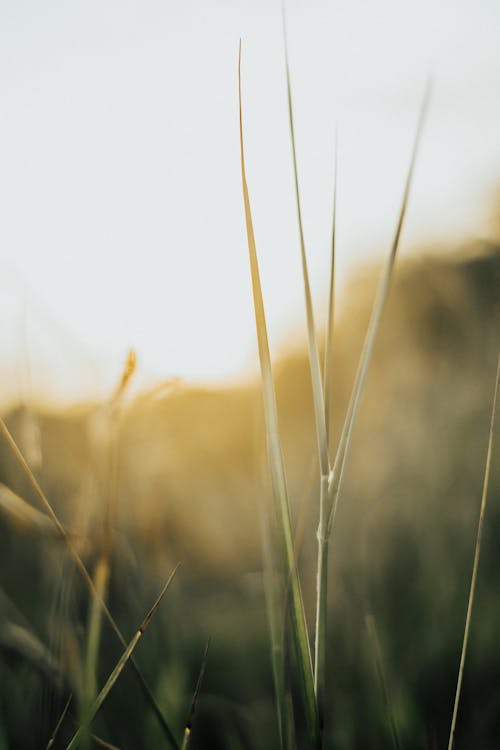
191, 470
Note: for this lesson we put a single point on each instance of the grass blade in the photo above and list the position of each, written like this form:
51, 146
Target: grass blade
57, 727
327, 365
85, 575
477, 552
331, 487
278, 480
336, 474
319, 411
192, 710
314, 362
119, 667
97, 740
322, 578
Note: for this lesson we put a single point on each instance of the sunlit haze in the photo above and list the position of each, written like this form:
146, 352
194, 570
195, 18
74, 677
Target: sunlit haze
120, 189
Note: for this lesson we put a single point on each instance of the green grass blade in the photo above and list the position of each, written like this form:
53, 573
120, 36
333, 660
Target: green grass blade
477, 552
103, 694
322, 567
319, 417
58, 725
314, 361
85, 575
327, 364
196, 695
278, 480
336, 473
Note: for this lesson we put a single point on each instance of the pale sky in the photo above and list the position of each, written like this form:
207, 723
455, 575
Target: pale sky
120, 192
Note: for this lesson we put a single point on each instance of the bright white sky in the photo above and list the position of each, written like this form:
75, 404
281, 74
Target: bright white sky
120, 193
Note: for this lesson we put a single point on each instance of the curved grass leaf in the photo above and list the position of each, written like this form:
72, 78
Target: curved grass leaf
277, 470
336, 474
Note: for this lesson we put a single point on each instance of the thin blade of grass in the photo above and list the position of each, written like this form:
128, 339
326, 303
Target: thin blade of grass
322, 565
336, 474
327, 365
127, 654
477, 552
331, 488
57, 727
97, 740
319, 405
314, 362
379, 666
192, 710
278, 480
85, 575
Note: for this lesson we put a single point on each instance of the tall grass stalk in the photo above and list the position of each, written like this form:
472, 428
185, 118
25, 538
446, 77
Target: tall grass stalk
475, 566
86, 576
127, 654
280, 493
319, 406
330, 487
327, 364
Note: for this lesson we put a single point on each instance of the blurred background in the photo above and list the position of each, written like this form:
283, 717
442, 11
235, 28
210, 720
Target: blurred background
122, 226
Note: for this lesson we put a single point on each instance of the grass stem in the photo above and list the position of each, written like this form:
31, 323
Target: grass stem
475, 566
280, 493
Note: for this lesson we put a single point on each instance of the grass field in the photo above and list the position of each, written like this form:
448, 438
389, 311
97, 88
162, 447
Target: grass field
181, 476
